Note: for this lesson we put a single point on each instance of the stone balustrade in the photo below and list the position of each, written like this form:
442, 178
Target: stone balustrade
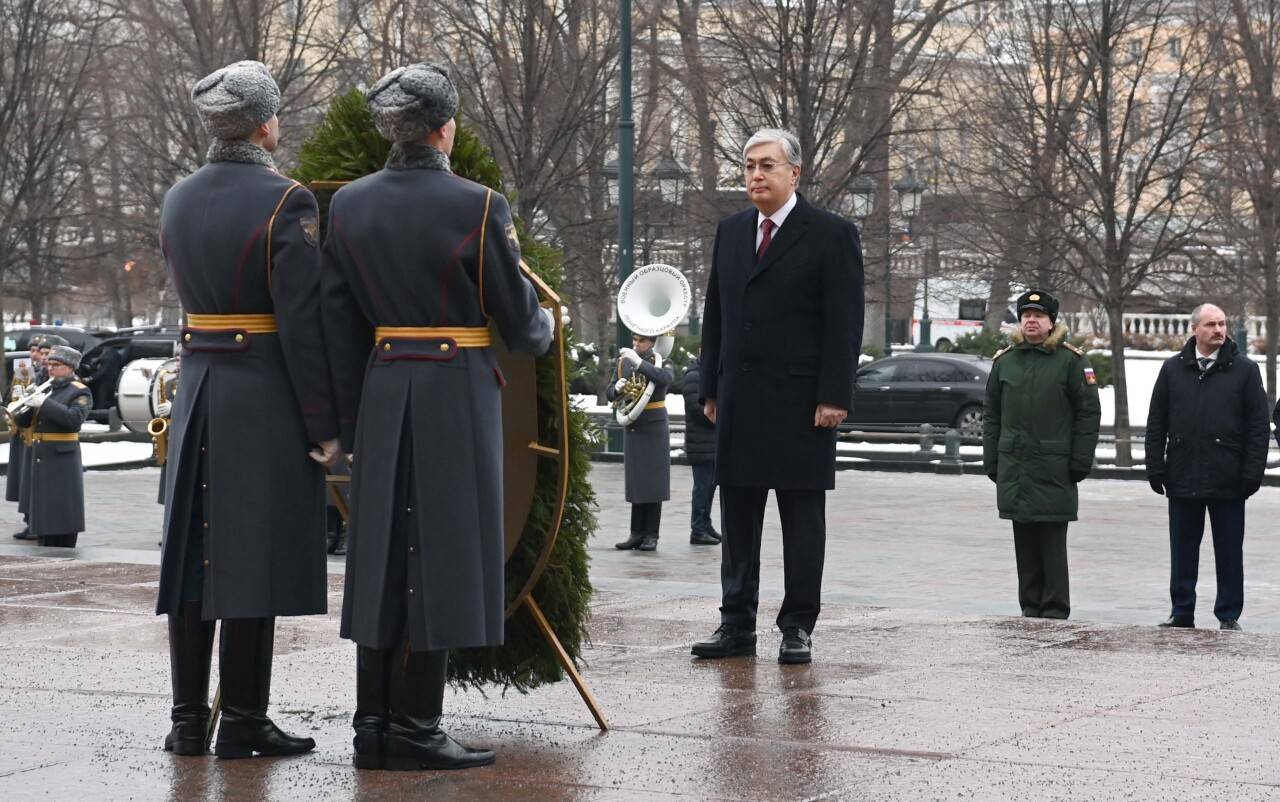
1152, 323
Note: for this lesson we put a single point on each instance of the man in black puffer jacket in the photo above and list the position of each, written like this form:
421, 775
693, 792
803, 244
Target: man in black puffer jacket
1207, 439
700, 448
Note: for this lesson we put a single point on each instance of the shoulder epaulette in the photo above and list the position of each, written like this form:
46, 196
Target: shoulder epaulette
1073, 349
81, 385
1001, 352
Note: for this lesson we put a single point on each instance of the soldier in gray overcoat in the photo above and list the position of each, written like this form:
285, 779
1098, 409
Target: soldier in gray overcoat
19, 437
244, 519
646, 443
54, 485
417, 263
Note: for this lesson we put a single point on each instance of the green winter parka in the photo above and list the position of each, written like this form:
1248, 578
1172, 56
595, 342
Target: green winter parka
1040, 426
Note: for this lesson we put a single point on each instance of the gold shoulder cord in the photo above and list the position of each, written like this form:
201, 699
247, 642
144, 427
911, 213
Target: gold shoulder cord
484, 225
271, 224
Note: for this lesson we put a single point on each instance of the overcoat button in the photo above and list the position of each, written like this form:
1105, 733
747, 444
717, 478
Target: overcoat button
410, 591
239, 338
386, 346
206, 524
206, 563
187, 337
444, 346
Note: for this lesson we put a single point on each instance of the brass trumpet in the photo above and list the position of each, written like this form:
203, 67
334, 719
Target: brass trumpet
25, 401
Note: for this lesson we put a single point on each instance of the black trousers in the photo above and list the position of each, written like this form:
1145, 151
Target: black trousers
804, 543
1186, 530
646, 518
1044, 588
704, 491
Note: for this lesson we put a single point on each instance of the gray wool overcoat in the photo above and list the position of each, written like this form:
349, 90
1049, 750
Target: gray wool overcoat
647, 442
248, 409
53, 478
419, 247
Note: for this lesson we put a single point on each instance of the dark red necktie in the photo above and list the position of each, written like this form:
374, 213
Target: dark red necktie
766, 239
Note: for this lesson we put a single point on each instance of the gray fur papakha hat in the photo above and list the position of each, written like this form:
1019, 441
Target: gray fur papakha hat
66, 355
236, 99
410, 102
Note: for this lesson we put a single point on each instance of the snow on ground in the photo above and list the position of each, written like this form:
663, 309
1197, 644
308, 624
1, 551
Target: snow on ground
96, 454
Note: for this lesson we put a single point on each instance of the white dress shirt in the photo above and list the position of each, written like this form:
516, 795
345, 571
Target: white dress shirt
1211, 357
777, 217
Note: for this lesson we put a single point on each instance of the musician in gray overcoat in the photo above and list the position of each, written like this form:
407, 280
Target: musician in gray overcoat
417, 263
646, 443
19, 437
244, 519
54, 484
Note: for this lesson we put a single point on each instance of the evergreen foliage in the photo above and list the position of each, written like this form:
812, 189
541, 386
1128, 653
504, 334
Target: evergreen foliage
346, 146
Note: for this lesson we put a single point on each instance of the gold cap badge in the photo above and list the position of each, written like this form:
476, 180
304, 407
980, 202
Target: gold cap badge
1034, 298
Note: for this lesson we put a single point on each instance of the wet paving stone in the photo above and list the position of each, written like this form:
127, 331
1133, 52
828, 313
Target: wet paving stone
901, 703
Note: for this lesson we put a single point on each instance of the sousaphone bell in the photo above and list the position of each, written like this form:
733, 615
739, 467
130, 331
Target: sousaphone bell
651, 302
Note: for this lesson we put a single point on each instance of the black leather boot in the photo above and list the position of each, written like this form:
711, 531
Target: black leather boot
373, 677
633, 541
415, 740
244, 662
190, 652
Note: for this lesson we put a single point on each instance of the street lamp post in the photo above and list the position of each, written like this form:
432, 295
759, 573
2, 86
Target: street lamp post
909, 189
626, 160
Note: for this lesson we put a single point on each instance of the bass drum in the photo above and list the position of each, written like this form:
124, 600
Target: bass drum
144, 383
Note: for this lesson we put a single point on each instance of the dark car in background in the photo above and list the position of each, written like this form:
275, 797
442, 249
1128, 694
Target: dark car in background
903, 391
17, 343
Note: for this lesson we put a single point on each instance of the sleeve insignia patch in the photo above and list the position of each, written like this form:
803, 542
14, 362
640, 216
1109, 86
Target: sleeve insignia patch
310, 228
82, 401
1090, 377
513, 239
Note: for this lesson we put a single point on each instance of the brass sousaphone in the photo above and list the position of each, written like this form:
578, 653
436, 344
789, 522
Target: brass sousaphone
651, 302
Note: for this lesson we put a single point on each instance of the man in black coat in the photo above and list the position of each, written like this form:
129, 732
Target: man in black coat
782, 330
1207, 439
700, 448
244, 514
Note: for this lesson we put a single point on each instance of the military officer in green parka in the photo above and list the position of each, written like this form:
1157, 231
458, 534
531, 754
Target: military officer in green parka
1040, 427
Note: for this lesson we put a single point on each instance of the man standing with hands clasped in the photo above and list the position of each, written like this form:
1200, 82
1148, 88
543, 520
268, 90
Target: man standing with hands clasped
1207, 438
782, 327
1039, 429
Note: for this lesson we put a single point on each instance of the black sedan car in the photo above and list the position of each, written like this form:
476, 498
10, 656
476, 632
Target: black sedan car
901, 392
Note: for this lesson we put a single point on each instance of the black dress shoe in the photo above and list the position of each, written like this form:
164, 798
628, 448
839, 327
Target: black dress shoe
650, 543
727, 641
703, 539
1231, 624
632, 542
1178, 622
796, 646
25, 534
715, 534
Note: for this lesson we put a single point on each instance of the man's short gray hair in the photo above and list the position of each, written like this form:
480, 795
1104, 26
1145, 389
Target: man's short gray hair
1199, 310
790, 143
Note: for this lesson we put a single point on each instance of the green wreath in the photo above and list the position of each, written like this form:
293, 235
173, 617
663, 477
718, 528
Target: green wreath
346, 146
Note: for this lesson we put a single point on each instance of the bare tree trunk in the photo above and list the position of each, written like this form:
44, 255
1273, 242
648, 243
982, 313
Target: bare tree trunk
1120, 377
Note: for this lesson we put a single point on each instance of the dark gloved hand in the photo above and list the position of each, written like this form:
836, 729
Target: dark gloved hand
1157, 485
992, 477
1251, 488
1078, 476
